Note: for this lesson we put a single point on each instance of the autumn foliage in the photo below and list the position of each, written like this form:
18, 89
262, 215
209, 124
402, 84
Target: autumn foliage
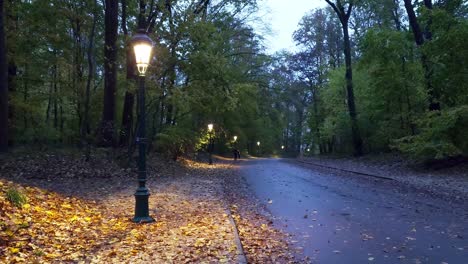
43, 223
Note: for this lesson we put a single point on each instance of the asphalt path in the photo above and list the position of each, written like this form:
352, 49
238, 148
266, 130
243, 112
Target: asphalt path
345, 218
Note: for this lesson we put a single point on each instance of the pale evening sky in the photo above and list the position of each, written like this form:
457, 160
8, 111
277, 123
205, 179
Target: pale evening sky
283, 17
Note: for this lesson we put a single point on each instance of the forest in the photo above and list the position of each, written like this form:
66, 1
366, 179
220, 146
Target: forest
366, 77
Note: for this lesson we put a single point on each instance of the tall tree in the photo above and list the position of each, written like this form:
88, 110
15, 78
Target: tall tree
343, 11
110, 73
129, 99
3, 86
85, 126
421, 36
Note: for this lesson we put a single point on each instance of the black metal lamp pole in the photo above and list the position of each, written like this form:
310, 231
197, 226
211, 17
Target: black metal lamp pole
142, 46
210, 148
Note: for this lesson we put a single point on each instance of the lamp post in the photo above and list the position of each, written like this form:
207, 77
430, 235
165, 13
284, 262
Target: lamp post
210, 143
258, 144
236, 151
235, 142
142, 46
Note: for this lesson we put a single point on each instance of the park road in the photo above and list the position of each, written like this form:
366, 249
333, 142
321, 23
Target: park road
345, 218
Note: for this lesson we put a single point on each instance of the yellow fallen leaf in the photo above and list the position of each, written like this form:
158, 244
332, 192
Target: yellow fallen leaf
67, 206
26, 206
14, 250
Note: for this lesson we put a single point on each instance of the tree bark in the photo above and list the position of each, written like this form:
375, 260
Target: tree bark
127, 112
85, 126
344, 19
55, 92
3, 86
420, 38
110, 73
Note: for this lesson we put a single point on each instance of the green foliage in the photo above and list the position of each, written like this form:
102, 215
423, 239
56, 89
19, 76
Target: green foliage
336, 123
393, 93
175, 140
449, 57
213, 69
16, 197
442, 135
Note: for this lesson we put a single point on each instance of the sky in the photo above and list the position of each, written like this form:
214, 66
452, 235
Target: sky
283, 17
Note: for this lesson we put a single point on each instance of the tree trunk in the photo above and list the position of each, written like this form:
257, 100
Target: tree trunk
55, 92
25, 97
110, 73
127, 112
3, 86
344, 19
85, 126
420, 37
357, 141
127, 118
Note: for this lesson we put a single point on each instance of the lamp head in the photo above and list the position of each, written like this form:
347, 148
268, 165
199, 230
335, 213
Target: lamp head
142, 46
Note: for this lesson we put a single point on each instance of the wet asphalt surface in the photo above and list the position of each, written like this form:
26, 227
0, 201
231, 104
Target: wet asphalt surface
345, 218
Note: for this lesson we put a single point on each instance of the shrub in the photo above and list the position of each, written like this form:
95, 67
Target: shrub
442, 135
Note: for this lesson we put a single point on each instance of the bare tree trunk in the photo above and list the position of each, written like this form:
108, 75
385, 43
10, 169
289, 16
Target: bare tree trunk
344, 18
3, 86
55, 93
420, 37
49, 103
106, 137
85, 127
129, 99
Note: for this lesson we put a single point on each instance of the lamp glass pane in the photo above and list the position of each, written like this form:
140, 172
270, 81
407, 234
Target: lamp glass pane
142, 53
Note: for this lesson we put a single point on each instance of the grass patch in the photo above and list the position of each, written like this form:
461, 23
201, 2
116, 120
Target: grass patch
16, 197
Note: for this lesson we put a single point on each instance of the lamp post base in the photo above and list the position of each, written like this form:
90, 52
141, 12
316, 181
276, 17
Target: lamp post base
142, 206
145, 219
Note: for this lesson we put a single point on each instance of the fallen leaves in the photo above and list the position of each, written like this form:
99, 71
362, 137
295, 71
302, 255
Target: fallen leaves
42, 226
192, 224
52, 227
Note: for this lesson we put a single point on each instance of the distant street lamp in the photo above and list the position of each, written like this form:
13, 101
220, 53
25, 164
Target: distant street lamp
236, 152
210, 143
282, 147
142, 46
258, 144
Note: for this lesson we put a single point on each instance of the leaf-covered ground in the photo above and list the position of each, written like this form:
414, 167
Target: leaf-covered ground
77, 211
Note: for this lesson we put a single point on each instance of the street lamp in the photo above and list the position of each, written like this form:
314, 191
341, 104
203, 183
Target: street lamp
235, 150
258, 144
142, 46
282, 147
210, 143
